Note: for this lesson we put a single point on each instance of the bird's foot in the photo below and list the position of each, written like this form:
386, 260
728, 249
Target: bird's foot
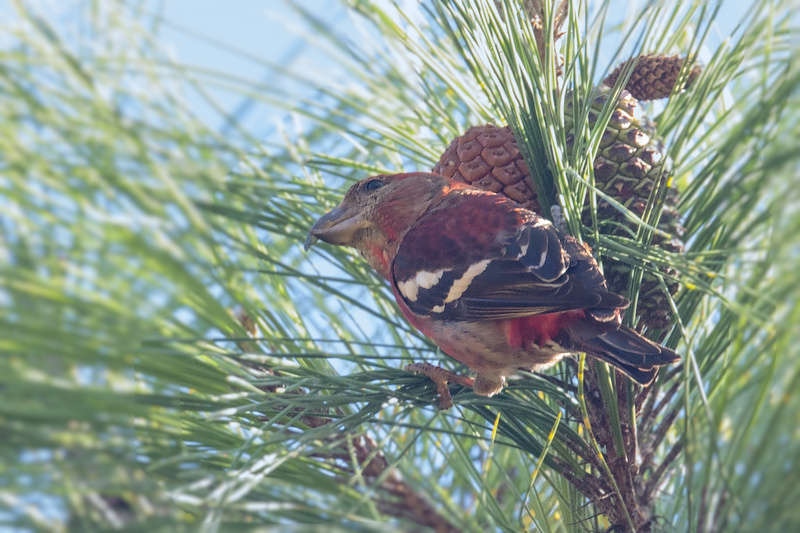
441, 378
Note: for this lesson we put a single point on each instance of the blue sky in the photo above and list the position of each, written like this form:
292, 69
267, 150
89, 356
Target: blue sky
237, 37
271, 30
267, 30
199, 31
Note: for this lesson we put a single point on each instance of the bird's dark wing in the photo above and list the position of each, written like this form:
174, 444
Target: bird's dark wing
480, 257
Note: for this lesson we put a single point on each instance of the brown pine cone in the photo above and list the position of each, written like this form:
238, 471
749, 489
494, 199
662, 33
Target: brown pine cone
488, 157
653, 76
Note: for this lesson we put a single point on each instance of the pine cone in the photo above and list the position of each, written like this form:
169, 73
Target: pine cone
653, 77
488, 157
630, 161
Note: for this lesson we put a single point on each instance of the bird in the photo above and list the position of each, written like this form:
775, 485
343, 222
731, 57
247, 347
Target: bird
494, 285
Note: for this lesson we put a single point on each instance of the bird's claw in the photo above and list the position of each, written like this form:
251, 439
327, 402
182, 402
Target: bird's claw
441, 378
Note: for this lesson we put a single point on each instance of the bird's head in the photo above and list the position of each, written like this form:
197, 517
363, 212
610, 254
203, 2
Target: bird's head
377, 212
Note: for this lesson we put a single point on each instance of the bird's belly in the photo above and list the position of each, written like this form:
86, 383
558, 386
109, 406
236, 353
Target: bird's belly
483, 347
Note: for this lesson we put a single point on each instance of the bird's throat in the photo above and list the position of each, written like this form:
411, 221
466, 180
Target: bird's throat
377, 256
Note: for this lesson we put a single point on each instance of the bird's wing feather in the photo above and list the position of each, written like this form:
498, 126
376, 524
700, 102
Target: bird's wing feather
503, 262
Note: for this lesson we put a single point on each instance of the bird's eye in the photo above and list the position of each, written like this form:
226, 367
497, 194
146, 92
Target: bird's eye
373, 185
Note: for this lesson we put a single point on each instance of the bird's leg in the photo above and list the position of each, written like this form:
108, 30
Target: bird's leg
441, 378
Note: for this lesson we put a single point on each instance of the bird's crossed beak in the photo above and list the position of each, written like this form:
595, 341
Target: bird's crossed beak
337, 227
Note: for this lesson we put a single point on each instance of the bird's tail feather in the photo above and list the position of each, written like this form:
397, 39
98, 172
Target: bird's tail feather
631, 353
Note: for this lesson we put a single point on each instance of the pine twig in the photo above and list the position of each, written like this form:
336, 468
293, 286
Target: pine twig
395, 497
655, 479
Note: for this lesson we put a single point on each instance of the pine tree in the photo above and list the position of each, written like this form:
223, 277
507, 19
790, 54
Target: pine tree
172, 359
